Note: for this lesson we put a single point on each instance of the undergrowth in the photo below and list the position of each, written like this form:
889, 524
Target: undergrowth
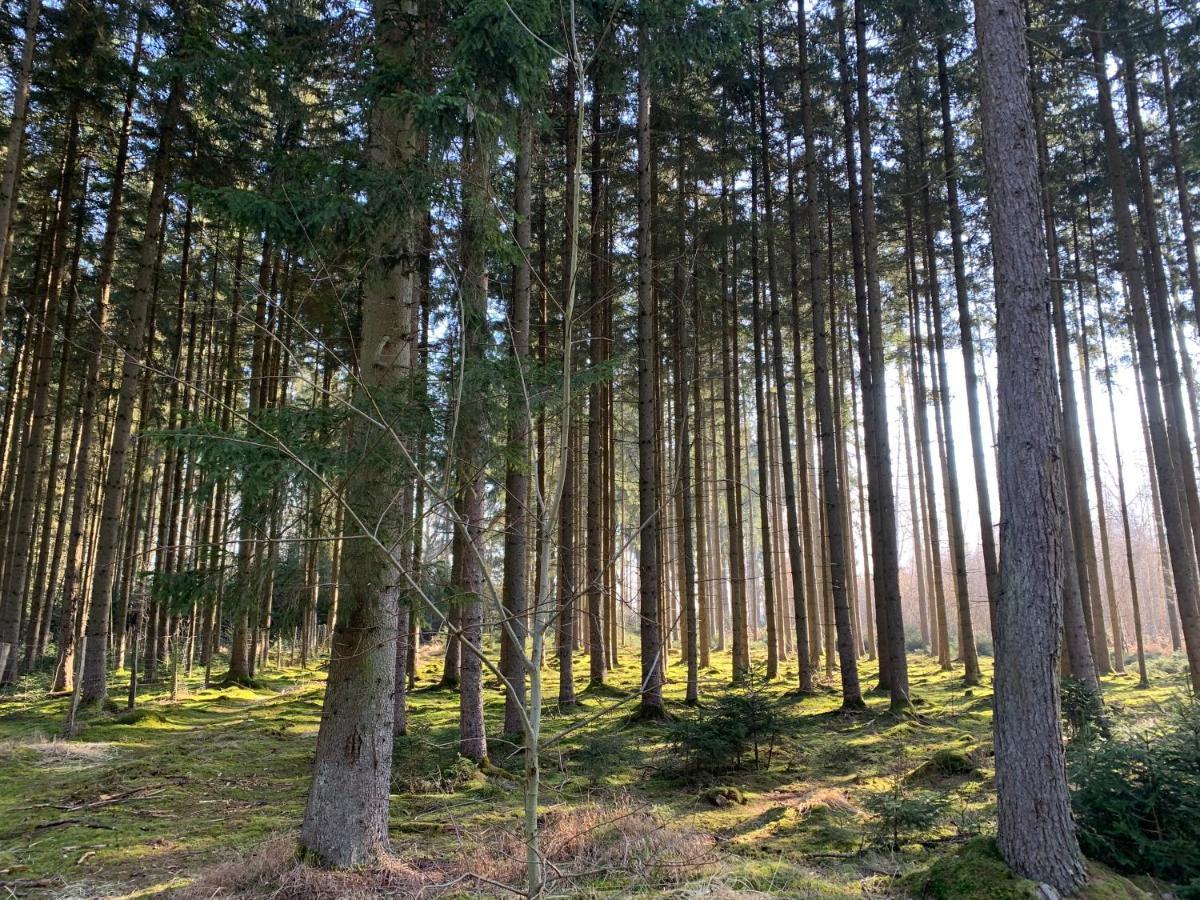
203, 796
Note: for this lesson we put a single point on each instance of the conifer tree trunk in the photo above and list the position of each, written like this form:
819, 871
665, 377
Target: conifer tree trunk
24, 506
1166, 441
95, 673
795, 553
875, 405
921, 412
758, 327
958, 551
471, 461
651, 705
14, 146
966, 329
832, 485
346, 818
1036, 834
597, 407
516, 482
731, 404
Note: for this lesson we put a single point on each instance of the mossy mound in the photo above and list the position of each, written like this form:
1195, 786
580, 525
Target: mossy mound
136, 716
1105, 884
944, 763
724, 796
975, 872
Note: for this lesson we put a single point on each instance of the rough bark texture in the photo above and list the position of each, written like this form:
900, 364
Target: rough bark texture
346, 819
648, 513
1036, 834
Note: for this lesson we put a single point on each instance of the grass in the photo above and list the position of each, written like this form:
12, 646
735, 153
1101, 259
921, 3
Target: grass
203, 796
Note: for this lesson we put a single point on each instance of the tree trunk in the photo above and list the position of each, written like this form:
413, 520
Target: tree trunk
1036, 834
1166, 439
346, 819
648, 504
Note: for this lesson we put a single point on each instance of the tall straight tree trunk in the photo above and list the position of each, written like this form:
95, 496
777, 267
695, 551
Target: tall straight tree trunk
875, 406
958, 550
1114, 616
1168, 444
730, 399
651, 705
832, 485
687, 495
1161, 313
346, 818
915, 514
1130, 567
567, 563
795, 553
703, 559
1036, 835
24, 507
597, 407
966, 330
758, 326
933, 531
846, 99
516, 481
1084, 545
15, 145
94, 687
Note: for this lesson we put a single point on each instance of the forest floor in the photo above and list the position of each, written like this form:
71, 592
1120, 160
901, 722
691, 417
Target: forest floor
202, 797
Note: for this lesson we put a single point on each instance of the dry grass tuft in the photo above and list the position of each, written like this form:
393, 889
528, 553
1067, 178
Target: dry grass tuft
55, 751
827, 798
599, 840
274, 870
594, 840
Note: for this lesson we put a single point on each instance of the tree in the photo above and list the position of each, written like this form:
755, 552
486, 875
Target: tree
346, 817
1036, 834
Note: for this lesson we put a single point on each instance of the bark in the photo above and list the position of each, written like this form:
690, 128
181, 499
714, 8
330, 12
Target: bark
966, 330
597, 409
875, 405
14, 145
24, 508
648, 503
346, 818
758, 327
732, 418
514, 596
1036, 834
1164, 432
958, 551
472, 738
795, 553
832, 485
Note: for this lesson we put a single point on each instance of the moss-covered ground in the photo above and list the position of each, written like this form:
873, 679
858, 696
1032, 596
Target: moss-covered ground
153, 803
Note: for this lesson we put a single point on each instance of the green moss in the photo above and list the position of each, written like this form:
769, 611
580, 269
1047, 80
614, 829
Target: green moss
174, 788
974, 872
1105, 884
947, 762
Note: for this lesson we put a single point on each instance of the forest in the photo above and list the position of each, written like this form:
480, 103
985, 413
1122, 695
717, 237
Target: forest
599, 448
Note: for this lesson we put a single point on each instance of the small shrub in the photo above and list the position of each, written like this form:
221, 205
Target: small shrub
418, 767
742, 727
901, 814
1082, 710
1137, 797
